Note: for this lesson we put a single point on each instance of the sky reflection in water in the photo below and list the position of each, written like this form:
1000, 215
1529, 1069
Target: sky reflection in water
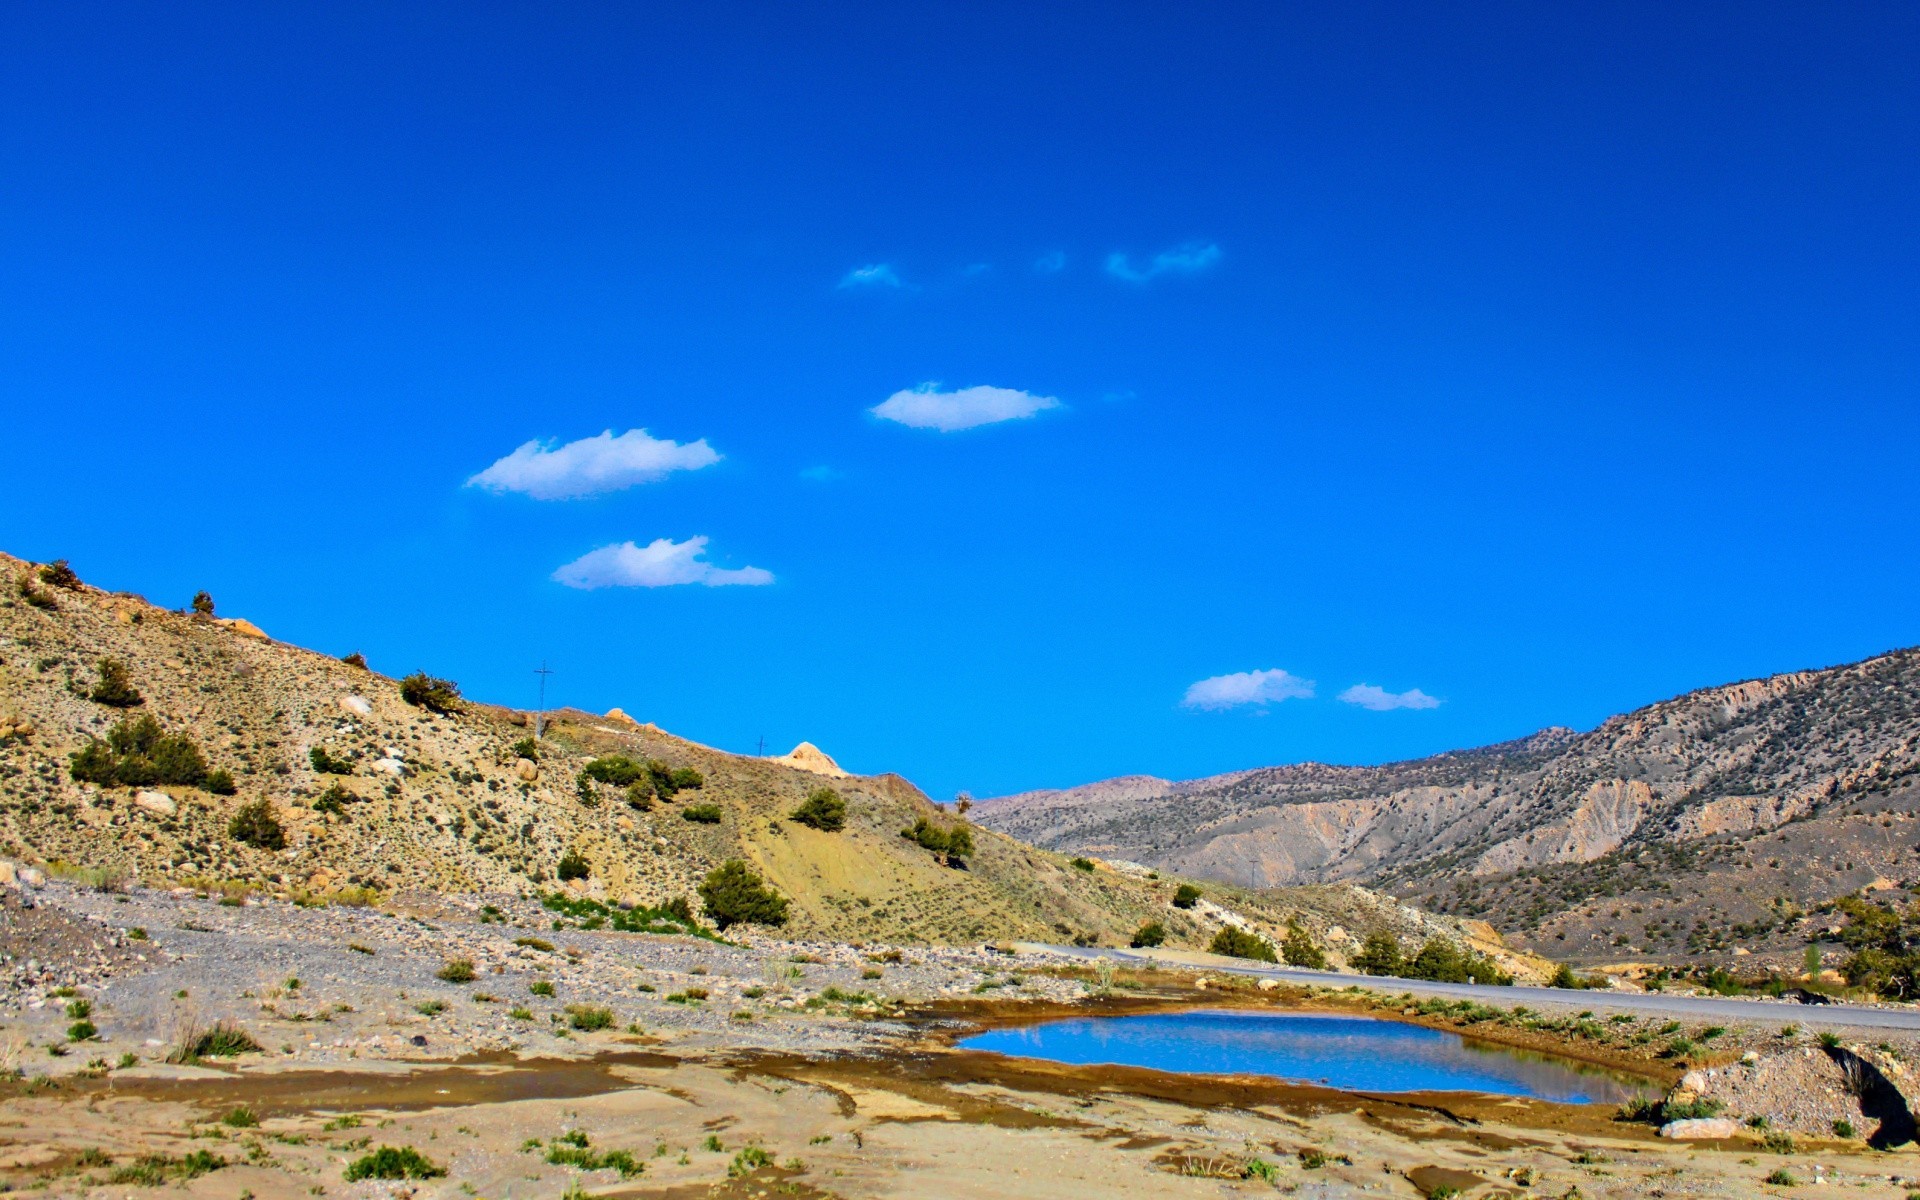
1355, 1053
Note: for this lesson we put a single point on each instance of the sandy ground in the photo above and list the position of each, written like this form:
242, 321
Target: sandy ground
775, 1084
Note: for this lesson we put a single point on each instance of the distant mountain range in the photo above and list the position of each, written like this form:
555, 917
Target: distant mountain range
1710, 822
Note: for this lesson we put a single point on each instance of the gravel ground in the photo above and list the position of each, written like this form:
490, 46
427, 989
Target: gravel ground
325, 984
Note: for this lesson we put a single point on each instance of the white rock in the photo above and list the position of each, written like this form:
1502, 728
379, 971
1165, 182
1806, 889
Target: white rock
391, 766
32, 877
158, 803
1693, 1081
1700, 1129
1267, 985
8, 876
526, 769
356, 705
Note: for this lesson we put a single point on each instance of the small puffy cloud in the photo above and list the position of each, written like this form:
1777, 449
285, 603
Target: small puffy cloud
1185, 260
1381, 700
662, 562
592, 466
927, 407
1051, 264
1247, 687
874, 275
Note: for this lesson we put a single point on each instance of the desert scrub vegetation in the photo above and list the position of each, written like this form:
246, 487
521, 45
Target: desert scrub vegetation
1238, 943
1186, 896
589, 1017
221, 1040
734, 895
675, 916
435, 695
1438, 960
1153, 933
954, 843
115, 686
571, 866
324, 762
456, 970
393, 1162
137, 752
254, 824
652, 778
823, 809
701, 814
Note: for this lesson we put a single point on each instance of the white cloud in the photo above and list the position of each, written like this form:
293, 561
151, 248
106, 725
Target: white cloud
1381, 700
1185, 260
1050, 264
872, 275
592, 466
1247, 687
662, 562
927, 407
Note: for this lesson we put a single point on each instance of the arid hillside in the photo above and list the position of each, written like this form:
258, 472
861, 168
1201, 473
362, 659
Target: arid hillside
369, 791
1711, 822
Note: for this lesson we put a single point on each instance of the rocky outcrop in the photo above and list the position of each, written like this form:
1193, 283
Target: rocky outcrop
809, 757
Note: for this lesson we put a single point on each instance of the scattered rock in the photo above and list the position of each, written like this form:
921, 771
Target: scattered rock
357, 705
1696, 1129
526, 769
158, 803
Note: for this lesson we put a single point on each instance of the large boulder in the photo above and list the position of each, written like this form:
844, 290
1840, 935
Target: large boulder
1696, 1129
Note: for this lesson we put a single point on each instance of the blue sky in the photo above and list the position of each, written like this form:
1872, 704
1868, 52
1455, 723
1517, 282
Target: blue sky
1059, 392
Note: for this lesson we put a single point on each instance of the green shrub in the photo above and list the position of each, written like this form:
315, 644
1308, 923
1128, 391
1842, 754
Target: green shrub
1299, 949
541, 987
82, 1031
747, 1161
734, 895
240, 1117
457, 970
1380, 954
527, 748
202, 604
58, 574
221, 1041
615, 769
254, 824
823, 809
572, 866
1153, 933
334, 800
435, 695
139, 753
685, 779
326, 764
959, 843
220, 782
393, 1162
1083, 864
1564, 977
1691, 1110
1185, 896
1782, 1177
1443, 962
1843, 1129
639, 794
703, 814
355, 659
1238, 943
115, 688
589, 1017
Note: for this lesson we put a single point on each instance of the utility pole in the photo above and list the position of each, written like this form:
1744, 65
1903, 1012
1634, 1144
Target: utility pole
763, 746
540, 718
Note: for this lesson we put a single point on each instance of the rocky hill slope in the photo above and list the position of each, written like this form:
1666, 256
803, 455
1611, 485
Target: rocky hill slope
448, 802
1711, 822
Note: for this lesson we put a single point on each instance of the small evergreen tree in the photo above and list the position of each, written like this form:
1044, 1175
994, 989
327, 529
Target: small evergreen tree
254, 824
1153, 933
115, 688
1300, 950
326, 764
1380, 954
823, 809
355, 659
734, 895
58, 574
572, 866
1185, 895
202, 604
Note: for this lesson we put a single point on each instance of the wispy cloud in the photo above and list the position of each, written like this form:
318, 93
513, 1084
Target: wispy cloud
592, 466
1381, 700
662, 562
927, 407
1051, 264
873, 275
1247, 687
1182, 260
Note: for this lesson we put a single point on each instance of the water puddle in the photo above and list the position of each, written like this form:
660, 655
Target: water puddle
1363, 1054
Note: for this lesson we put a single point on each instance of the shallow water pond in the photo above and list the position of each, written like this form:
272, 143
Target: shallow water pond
1362, 1054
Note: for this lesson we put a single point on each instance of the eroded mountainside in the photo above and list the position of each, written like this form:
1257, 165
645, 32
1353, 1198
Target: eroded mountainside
1709, 822
411, 798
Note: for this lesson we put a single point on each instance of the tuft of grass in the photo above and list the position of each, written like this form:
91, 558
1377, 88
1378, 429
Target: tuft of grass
541, 987
457, 970
393, 1162
747, 1161
221, 1041
1782, 1177
589, 1017
240, 1117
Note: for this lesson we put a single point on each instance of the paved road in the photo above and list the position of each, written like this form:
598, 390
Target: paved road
1718, 1008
